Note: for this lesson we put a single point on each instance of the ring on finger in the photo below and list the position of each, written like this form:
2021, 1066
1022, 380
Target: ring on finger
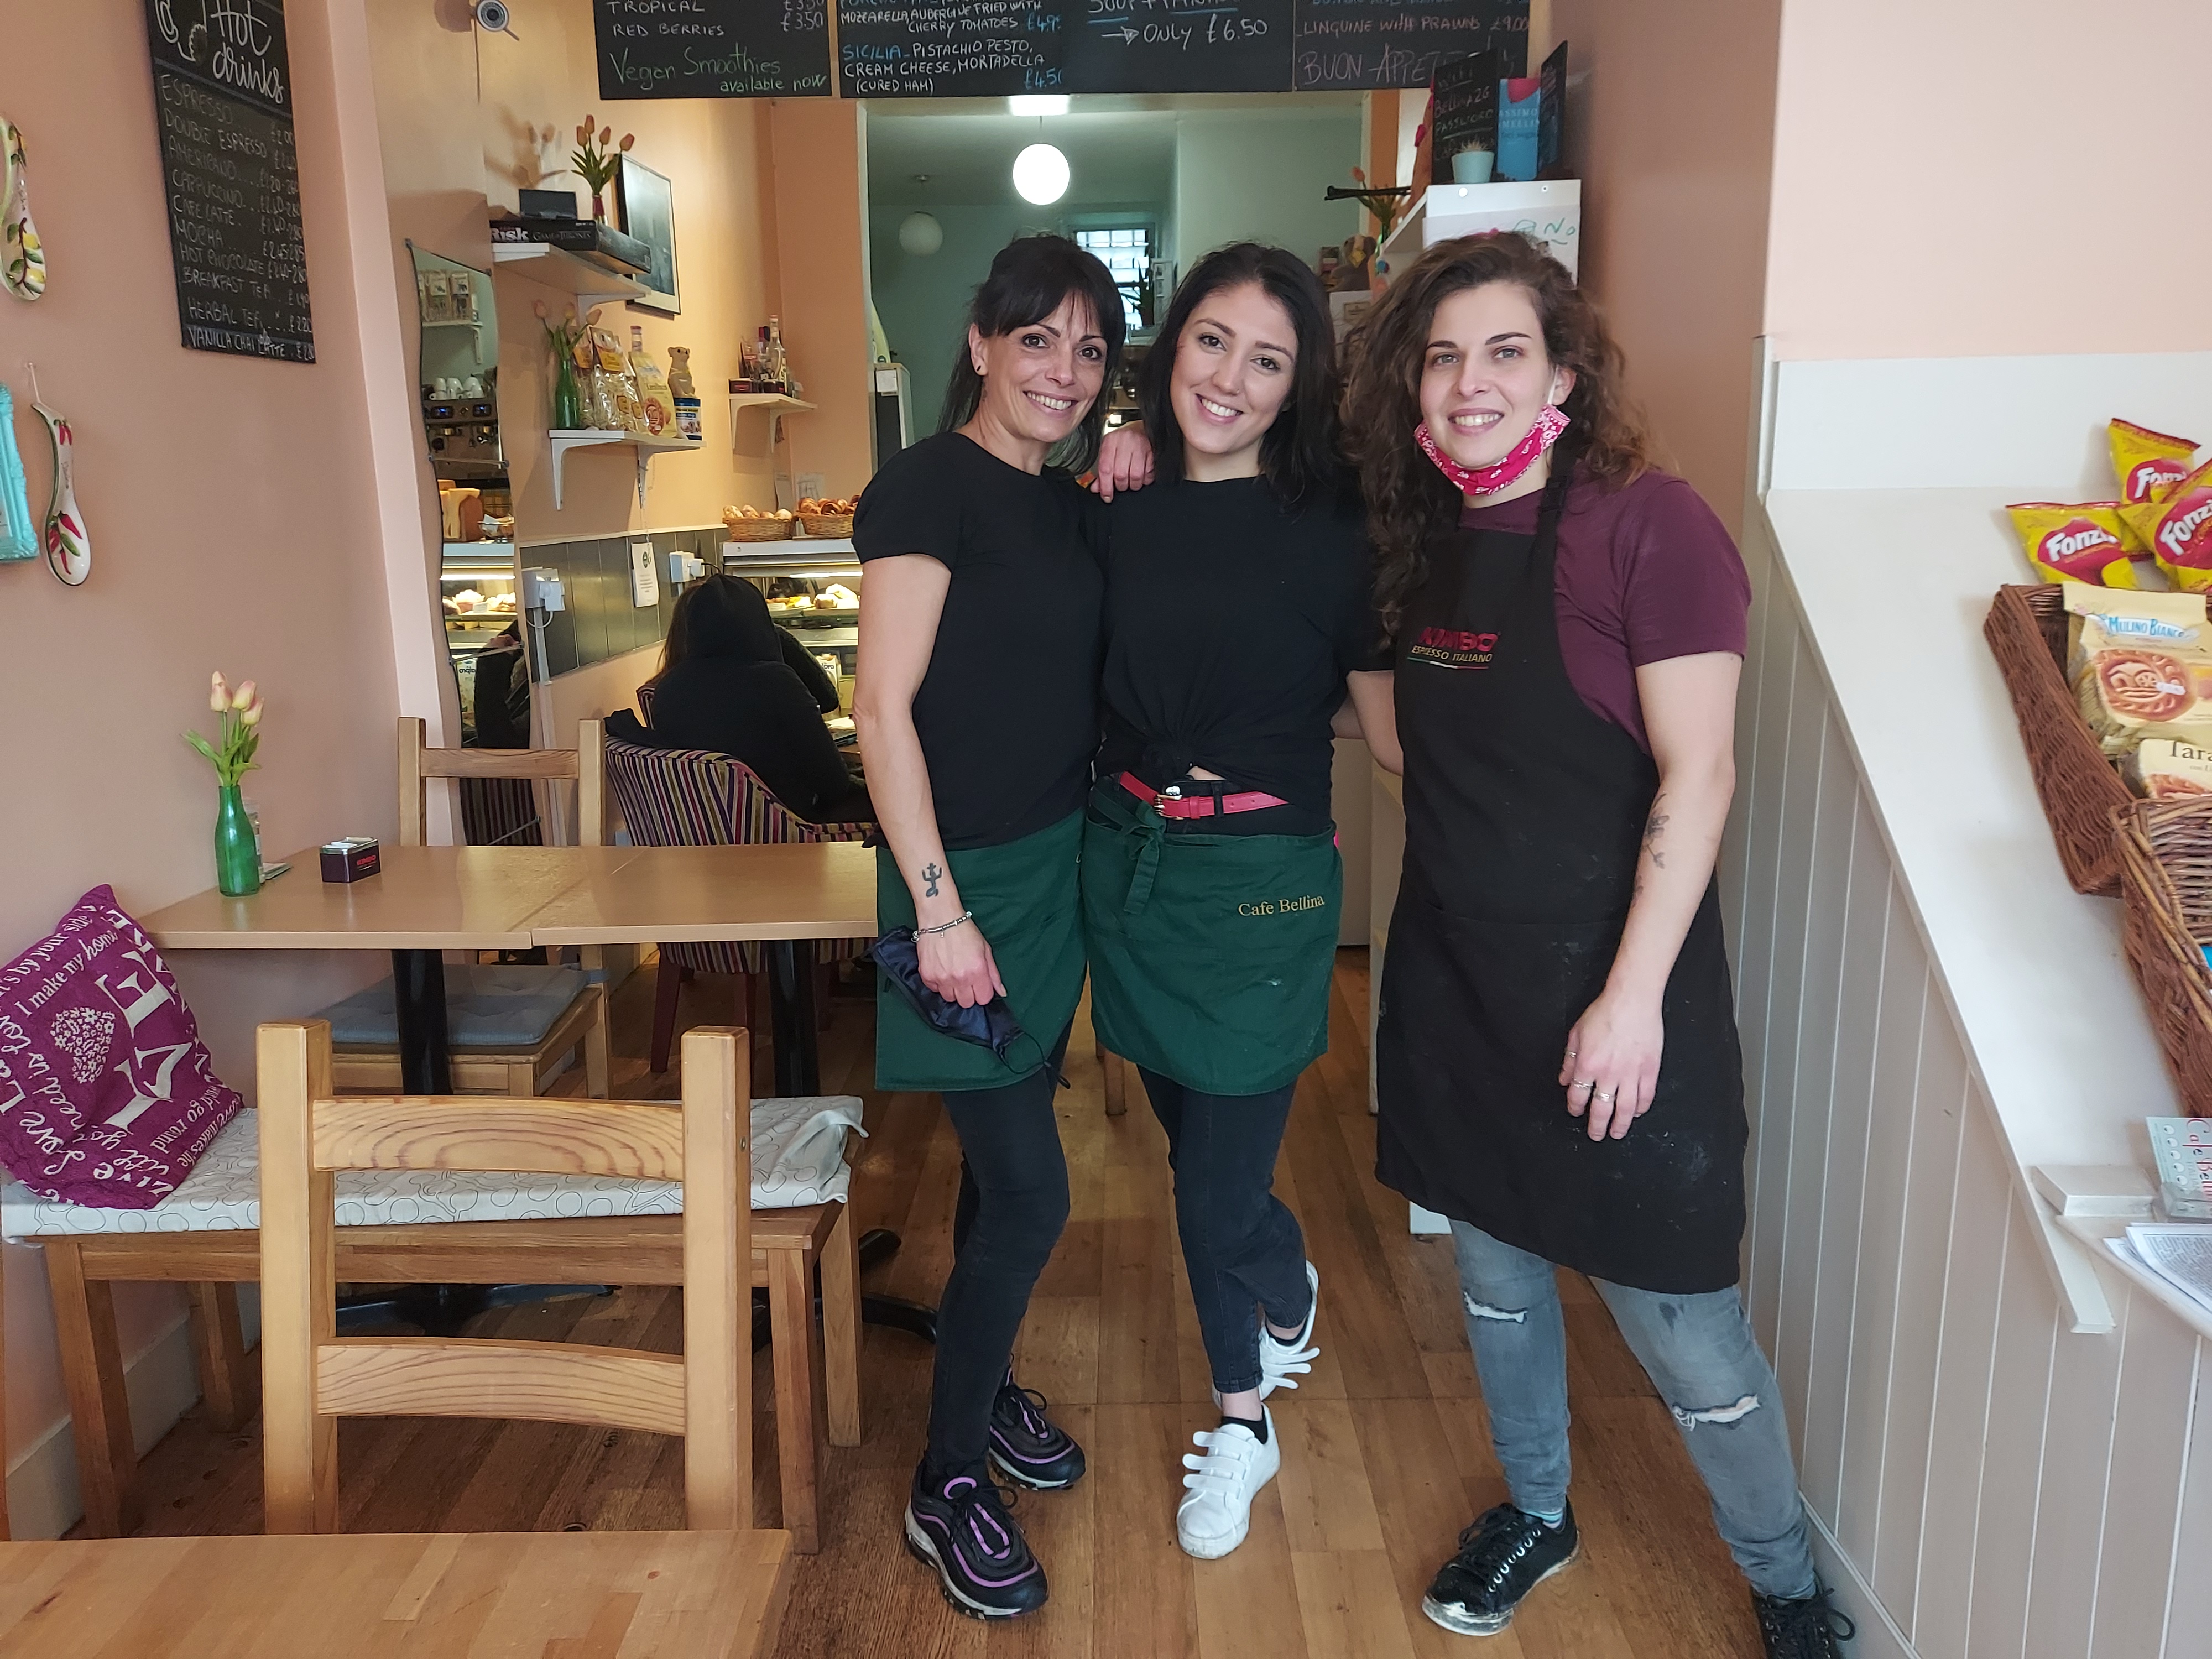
1589, 1083
1600, 1094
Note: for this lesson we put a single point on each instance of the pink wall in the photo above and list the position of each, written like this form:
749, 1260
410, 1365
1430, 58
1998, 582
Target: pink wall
2020, 184
1670, 123
236, 524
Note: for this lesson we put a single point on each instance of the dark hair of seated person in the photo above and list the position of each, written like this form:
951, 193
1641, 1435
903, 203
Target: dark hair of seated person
731, 681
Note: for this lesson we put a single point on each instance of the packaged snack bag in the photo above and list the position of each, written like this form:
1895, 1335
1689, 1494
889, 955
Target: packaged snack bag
2182, 542
2084, 543
2147, 463
2162, 768
2141, 667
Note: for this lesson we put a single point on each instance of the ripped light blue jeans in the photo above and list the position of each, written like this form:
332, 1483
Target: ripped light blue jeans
1701, 1356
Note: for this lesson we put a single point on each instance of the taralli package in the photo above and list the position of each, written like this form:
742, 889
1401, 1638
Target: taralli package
2162, 769
2147, 463
2182, 542
2084, 543
2141, 667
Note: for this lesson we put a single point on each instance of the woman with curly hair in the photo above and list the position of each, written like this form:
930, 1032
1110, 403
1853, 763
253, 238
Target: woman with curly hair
1557, 1064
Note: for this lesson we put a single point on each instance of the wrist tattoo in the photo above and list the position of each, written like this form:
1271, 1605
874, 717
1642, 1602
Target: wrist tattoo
932, 875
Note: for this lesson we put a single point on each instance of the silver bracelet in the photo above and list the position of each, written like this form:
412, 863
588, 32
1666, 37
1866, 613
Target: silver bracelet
946, 926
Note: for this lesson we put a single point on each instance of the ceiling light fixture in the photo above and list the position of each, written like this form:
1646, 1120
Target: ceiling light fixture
919, 235
1040, 174
1047, 103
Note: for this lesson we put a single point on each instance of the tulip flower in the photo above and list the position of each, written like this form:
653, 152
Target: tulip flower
243, 697
218, 693
251, 714
629, 138
1358, 176
606, 135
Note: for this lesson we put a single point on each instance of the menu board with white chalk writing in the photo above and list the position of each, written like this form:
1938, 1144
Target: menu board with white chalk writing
712, 48
223, 96
1356, 44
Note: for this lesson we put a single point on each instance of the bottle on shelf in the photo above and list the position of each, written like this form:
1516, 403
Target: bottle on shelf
779, 365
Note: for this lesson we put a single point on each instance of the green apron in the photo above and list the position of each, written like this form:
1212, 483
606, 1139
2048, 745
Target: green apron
1023, 896
1209, 954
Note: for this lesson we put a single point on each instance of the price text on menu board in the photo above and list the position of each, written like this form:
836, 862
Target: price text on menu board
990, 48
712, 48
1344, 43
222, 94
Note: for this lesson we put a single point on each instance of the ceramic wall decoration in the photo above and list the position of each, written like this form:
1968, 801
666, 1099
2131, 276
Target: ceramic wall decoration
69, 549
19, 539
22, 259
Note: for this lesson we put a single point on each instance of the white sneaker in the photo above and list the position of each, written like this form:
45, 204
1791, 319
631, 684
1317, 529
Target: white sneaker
1216, 1511
1279, 1359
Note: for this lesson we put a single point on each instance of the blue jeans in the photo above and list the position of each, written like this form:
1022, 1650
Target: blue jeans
1700, 1354
1240, 1243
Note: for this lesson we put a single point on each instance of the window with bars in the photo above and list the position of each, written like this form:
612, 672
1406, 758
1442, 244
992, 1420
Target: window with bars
1127, 252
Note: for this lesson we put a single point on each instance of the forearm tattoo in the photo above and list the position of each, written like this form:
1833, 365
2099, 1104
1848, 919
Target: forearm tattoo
932, 875
1653, 828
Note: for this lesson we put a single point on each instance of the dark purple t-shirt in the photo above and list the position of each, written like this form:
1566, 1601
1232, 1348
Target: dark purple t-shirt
1644, 573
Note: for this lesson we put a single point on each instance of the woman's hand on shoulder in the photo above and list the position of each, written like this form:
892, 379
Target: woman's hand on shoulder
958, 965
1125, 461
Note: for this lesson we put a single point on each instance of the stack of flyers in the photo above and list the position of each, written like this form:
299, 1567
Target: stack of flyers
2183, 1148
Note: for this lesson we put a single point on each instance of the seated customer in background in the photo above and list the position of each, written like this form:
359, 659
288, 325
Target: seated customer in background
729, 682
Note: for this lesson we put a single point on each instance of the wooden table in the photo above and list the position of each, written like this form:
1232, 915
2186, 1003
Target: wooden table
430, 899
348, 1595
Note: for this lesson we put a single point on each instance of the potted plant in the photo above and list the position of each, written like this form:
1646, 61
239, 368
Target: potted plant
237, 849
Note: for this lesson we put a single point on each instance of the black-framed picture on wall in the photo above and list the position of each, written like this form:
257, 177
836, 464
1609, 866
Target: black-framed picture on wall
648, 211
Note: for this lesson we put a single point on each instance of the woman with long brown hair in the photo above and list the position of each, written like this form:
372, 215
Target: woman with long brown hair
1557, 1068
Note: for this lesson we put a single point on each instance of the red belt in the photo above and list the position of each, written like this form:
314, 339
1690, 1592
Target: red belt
1198, 806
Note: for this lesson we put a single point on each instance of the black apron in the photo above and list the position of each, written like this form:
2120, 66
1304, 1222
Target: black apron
1525, 813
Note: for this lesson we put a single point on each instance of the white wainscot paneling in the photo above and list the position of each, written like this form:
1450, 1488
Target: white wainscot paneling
1988, 1481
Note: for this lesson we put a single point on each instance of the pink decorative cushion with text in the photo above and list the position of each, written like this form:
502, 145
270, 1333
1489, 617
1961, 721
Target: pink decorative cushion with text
107, 1093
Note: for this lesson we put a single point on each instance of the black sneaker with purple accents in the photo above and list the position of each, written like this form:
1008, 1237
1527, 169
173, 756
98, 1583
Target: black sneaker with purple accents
961, 1528
1028, 1447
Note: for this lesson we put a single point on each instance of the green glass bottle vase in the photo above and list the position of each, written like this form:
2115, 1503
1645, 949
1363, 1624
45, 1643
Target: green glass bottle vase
567, 396
237, 852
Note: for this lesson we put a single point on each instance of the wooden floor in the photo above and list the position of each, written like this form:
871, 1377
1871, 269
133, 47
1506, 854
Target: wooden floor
1385, 1455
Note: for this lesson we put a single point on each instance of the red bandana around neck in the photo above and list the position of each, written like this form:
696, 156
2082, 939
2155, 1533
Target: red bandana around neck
1489, 480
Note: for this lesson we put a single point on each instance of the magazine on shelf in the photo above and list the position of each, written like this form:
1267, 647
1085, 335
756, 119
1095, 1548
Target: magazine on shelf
2182, 1148
2179, 1253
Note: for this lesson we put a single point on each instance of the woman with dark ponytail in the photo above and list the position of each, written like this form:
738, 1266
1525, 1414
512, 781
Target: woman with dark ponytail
977, 703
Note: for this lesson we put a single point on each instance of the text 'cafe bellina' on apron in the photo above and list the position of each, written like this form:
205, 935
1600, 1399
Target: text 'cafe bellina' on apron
1525, 813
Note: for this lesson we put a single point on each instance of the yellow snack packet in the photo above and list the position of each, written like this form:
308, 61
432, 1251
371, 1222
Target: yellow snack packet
2182, 542
2147, 463
2080, 543
2162, 769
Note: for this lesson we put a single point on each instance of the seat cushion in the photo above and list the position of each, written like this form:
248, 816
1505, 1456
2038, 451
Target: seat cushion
505, 1007
798, 1153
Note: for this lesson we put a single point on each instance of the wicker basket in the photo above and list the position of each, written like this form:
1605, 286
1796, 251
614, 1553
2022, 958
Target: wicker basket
2079, 788
2165, 853
758, 530
827, 524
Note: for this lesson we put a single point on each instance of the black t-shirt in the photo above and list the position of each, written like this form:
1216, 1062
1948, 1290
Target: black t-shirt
1231, 621
1008, 710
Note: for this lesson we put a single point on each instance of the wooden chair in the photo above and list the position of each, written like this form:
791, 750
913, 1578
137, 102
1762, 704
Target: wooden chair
311, 1377
515, 1024
715, 1592
693, 798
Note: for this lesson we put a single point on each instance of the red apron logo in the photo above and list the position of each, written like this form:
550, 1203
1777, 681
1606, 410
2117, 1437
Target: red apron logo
1454, 647
2075, 548
2185, 537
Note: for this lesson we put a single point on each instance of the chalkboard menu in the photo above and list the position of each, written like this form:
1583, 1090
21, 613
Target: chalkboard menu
223, 94
712, 48
1179, 45
1462, 111
1344, 43
952, 48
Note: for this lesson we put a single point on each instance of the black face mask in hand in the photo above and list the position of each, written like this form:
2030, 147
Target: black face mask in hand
987, 1024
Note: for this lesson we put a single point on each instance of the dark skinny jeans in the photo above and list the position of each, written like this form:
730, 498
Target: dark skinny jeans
1241, 1244
1011, 1209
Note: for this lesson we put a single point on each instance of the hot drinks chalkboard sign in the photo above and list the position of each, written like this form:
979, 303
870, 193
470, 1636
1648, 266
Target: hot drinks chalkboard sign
712, 48
223, 94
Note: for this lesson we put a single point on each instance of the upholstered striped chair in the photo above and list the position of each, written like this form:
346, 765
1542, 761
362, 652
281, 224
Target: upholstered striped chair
695, 798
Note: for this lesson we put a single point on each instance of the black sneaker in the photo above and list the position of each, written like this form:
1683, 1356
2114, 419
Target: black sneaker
962, 1530
1502, 1557
1802, 1627
1028, 1448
